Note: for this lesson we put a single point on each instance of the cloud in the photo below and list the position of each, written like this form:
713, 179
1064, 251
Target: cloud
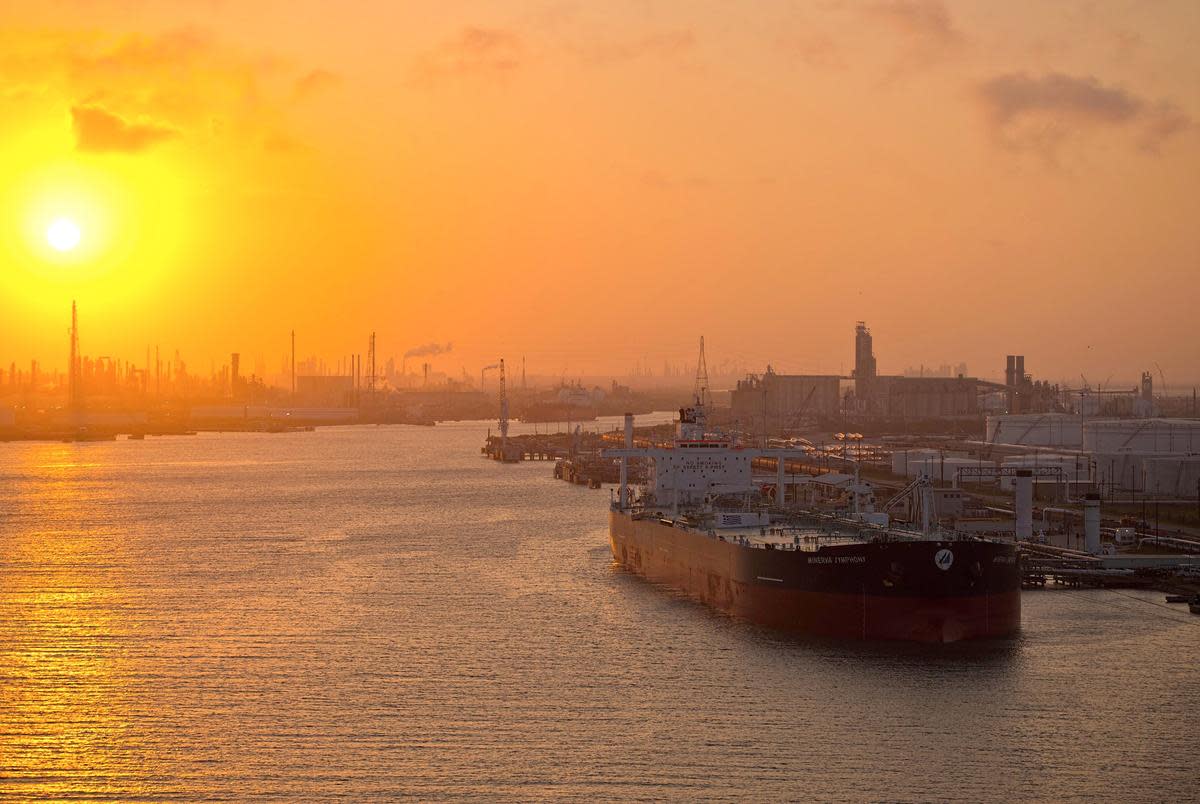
133, 90
473, 51
1014, 95
280, 143
924, 31
817, 50
1041, 112
926, 20
100, 131
175, 51
1162, 122
429, 350
315, 83
661, 44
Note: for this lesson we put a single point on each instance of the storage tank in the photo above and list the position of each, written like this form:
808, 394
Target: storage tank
1036, 430
1179, 436
900, 459
1119, 470
1174, 477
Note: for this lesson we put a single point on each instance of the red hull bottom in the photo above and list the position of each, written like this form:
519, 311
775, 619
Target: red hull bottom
855, 615
868, 617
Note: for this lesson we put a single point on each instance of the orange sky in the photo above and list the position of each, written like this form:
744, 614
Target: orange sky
593, 184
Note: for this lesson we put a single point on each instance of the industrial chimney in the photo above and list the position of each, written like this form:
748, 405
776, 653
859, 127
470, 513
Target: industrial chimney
1023, 504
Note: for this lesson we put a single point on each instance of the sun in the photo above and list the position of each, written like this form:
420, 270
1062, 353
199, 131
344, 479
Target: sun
63, 234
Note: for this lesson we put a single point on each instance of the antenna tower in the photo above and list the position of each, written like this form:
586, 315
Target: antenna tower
75, 392
293, 365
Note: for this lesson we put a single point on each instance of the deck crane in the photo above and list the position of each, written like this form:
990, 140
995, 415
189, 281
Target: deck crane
918, 495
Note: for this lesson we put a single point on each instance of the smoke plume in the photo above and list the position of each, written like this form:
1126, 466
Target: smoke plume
429, 350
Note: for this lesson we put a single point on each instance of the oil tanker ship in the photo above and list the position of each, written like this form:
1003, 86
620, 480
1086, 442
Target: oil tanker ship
698, 525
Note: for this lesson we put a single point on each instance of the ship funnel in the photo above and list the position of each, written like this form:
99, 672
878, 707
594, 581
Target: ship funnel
625, 461
1091, 523
1023, 486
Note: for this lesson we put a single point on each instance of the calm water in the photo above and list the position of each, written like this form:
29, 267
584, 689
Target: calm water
371, 613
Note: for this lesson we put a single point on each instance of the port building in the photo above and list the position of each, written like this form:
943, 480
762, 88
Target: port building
776, 402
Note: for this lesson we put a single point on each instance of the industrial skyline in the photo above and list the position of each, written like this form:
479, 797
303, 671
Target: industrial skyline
391, 367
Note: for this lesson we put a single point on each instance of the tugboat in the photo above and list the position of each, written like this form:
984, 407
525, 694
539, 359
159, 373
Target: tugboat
698, 525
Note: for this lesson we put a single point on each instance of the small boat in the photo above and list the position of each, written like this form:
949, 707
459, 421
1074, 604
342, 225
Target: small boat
1194, 605
1178, 598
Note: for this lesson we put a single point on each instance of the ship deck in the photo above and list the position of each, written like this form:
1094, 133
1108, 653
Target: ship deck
776, 536
831, 532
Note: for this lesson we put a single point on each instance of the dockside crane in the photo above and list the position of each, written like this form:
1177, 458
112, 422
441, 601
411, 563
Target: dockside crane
503, 404
503, 415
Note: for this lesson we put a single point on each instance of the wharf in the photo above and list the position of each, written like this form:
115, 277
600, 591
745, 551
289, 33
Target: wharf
576, 456
532, 447
1042, 565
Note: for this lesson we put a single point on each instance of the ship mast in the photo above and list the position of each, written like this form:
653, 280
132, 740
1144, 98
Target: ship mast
701, 390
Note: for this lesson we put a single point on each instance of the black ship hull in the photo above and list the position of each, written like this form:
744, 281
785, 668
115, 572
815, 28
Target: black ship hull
923, 591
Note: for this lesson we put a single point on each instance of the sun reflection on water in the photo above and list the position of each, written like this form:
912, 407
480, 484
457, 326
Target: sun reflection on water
67, 697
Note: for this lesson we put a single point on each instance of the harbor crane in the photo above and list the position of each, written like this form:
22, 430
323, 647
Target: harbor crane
503, 404
503, 411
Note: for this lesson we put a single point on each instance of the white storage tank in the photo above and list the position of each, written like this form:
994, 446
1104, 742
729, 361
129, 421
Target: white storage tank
900, 458
1179, 436
1119, 470
1175, 477
1036, 430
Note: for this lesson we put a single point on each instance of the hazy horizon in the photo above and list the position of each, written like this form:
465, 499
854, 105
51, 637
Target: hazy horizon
672, 371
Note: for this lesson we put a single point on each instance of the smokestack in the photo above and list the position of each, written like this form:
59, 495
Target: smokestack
1023, 487
625, 461
1091, 523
